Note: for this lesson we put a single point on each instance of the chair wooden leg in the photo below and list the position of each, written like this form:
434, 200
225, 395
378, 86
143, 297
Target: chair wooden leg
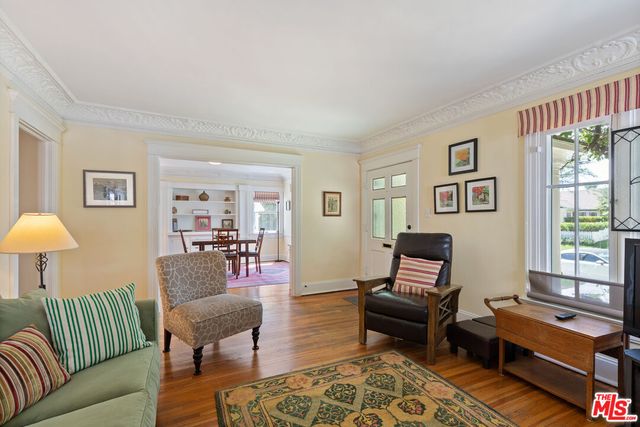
167, 341
259, 264
432, 328
362, 326
197, 359
255, 334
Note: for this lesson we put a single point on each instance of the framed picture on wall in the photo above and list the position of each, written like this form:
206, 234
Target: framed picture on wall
203, 223
463, 157
480, 195
109, 189
331, 203
227, 223
445, 198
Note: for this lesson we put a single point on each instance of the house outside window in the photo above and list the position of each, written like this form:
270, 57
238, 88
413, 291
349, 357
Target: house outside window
572, 252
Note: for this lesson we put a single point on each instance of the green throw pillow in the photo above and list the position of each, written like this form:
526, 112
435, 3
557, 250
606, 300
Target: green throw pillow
90, 329
18, 313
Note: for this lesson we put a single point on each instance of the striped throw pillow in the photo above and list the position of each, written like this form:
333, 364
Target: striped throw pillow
90, 329
416, 274
29, 370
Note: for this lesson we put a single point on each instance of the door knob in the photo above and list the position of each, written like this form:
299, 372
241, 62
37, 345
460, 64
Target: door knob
409, 227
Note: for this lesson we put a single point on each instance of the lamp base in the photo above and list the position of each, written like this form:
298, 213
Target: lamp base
41, 266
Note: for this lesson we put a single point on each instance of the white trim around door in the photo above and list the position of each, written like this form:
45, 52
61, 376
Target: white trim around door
203, 152
28, 115
378, 162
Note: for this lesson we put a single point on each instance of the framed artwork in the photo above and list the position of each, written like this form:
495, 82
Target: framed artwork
332, 203
227, 223
203, 223
109, 189
480, 195
463, 157
445, 198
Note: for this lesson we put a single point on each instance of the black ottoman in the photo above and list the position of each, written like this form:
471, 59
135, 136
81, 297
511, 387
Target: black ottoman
475, 337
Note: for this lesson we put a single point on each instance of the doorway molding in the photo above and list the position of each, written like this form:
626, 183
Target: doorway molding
157, 149
377, 162
27, 115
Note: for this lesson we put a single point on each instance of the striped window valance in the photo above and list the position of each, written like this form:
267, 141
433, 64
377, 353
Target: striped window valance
266, 196
611, 98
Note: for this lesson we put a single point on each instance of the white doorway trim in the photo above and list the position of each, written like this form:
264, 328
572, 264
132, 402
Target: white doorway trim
203, 152
377, 162
28, 115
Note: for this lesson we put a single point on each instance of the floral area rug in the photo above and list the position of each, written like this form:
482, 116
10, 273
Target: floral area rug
383, 390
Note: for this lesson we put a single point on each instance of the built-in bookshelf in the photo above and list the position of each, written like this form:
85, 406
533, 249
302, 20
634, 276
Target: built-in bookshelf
199, 210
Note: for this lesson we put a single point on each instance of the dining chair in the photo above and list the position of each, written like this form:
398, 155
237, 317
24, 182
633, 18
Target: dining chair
227, 242
255, 254
184, 243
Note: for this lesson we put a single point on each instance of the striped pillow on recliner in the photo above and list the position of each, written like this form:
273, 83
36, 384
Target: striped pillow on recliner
416, 274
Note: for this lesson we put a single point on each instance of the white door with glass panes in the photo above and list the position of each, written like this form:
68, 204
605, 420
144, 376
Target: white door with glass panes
391, 209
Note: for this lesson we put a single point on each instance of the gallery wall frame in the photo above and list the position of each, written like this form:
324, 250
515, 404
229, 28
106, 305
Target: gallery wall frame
108, 189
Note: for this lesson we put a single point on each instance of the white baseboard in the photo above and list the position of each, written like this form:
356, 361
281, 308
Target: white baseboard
465, 315
606, 367
328, 286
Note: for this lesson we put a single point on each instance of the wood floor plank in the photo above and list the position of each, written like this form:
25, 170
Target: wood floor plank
301, 332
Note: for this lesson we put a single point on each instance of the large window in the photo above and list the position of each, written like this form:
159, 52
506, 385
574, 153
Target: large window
572, 254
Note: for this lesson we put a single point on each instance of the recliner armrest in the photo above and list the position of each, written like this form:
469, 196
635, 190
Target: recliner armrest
442, 290
368, 283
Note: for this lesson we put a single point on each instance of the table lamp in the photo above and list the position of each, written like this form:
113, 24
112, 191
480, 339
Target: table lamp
37, 233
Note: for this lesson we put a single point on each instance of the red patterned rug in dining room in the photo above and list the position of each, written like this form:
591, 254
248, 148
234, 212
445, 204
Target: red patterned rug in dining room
273, 273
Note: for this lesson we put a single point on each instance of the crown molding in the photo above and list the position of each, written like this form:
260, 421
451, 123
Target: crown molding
30, 74
26, 69
600, 60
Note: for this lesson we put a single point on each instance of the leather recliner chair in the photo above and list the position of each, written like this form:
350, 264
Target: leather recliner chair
421, 319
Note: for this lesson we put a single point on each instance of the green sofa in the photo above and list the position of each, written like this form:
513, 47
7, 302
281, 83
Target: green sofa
118, 392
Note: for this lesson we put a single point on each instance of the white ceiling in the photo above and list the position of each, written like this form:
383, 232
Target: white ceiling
334, 68
224, 170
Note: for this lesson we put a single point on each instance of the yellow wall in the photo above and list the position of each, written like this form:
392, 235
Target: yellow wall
113, 242
489, 247
330, 245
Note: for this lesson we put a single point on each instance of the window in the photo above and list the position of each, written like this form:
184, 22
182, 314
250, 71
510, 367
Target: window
265, 211
572, 254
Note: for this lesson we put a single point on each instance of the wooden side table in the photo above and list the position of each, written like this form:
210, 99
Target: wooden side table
574, 342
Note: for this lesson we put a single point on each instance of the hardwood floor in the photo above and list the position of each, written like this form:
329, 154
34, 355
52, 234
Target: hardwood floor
306, 331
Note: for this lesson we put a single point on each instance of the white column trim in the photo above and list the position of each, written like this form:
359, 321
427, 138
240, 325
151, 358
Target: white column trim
203, 152
26, 114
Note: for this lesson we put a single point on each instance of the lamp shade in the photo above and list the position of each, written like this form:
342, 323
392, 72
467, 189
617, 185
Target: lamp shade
35, 233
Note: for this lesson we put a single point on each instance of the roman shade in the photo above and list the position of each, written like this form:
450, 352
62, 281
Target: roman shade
611, 98
266, 196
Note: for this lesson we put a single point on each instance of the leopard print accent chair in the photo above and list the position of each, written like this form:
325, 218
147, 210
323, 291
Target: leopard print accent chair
195, 303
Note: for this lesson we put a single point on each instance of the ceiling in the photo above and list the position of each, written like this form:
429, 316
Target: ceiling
177, 167
345, 70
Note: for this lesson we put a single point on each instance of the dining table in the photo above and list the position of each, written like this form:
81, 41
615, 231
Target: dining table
202, 245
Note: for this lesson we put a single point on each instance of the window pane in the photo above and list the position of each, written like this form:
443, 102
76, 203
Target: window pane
594, 233
563, 158
378, 183
265, 215
398, 216
399, 180
562, 231
378, 224
593, 163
